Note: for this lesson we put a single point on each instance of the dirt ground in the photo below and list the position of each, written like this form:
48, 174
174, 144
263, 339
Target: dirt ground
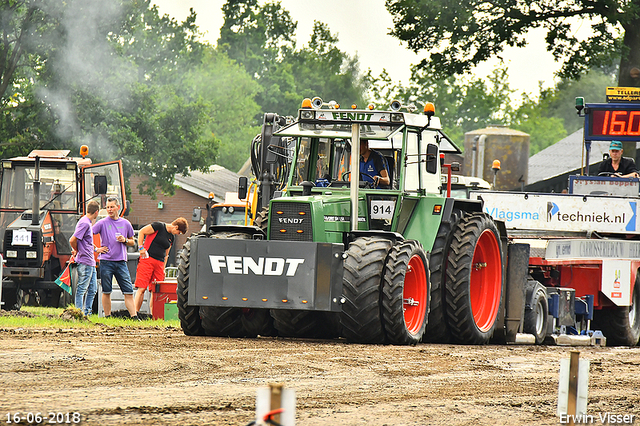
114, 376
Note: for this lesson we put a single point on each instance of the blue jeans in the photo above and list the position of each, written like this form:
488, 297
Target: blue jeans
87, 288
119, 269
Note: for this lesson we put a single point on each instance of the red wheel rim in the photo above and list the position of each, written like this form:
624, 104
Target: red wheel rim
414, 295
486, 281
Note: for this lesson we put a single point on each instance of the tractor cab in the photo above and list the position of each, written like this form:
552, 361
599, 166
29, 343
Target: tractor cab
322, 139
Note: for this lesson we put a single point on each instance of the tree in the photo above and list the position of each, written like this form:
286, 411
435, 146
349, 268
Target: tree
231, 109
321, 69
115, 82
464, 105
533, 118
460, 35
23, 50
131, 84
261, 38
21, 46
559, 101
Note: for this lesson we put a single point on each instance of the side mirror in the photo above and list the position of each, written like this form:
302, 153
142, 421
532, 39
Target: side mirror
127, 208
243, 187
196, 215
100, 185
432, 158
306, 187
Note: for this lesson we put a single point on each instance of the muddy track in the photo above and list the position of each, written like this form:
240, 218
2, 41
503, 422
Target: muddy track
114, 376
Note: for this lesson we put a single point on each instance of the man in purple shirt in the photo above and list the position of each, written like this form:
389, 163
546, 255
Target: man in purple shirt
82, 244
116, 234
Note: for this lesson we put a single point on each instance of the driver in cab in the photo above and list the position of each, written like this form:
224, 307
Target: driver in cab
373, 166
616, 164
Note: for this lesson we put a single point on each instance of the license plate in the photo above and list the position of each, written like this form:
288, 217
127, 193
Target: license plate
21, 237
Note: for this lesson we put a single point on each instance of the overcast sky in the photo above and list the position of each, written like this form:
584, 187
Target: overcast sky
362, 27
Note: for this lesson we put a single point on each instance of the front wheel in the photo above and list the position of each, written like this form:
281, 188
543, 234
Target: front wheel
12, 298
222, 322
361, 317
474, 280
536, 312
405, 293
311, 324
258, 322
621, 325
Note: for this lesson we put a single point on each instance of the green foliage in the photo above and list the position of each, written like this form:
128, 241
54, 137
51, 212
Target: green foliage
533, 118
560, 101
321, 69
461, 105
39, 317
231, 108
460, 35
467, 105
23, 51
262, 40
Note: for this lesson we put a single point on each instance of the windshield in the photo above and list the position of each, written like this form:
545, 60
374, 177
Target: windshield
228, 216
58, 189
327, 161
322, 159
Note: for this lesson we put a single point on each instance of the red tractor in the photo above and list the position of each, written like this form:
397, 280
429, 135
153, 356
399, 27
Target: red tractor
42, 197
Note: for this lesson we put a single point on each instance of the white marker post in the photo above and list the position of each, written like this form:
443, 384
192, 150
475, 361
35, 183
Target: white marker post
573, 389
278, 400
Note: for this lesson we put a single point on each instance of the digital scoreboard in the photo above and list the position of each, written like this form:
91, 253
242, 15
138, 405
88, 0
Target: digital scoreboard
615, 122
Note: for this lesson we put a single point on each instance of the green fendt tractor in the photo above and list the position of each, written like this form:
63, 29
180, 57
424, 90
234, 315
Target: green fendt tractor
332, 255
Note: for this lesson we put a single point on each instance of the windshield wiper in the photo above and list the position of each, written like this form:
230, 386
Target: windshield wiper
54, 198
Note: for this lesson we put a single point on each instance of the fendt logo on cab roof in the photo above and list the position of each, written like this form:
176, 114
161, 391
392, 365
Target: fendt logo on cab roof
359, 116
241, 265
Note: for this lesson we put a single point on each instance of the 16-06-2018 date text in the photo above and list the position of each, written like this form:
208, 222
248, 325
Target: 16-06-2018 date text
47, 418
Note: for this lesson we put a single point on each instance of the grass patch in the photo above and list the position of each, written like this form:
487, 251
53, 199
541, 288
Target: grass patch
40, 317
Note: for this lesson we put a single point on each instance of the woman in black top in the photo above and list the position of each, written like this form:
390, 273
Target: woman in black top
154, 242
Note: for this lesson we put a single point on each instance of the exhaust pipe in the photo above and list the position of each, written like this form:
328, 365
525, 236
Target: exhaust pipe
35, 211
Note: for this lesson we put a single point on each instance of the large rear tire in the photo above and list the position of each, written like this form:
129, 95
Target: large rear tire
536, 311
474, 280
262, 219
361, 317
437, 328
312, 324
405, 293
189, 316
222, 322
621, 325
258, 322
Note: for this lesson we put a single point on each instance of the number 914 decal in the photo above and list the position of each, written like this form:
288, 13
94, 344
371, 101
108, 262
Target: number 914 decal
382, 209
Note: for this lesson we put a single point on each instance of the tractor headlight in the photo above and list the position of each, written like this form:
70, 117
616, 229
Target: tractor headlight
32, 255
12, 253
306, 115
231, 209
